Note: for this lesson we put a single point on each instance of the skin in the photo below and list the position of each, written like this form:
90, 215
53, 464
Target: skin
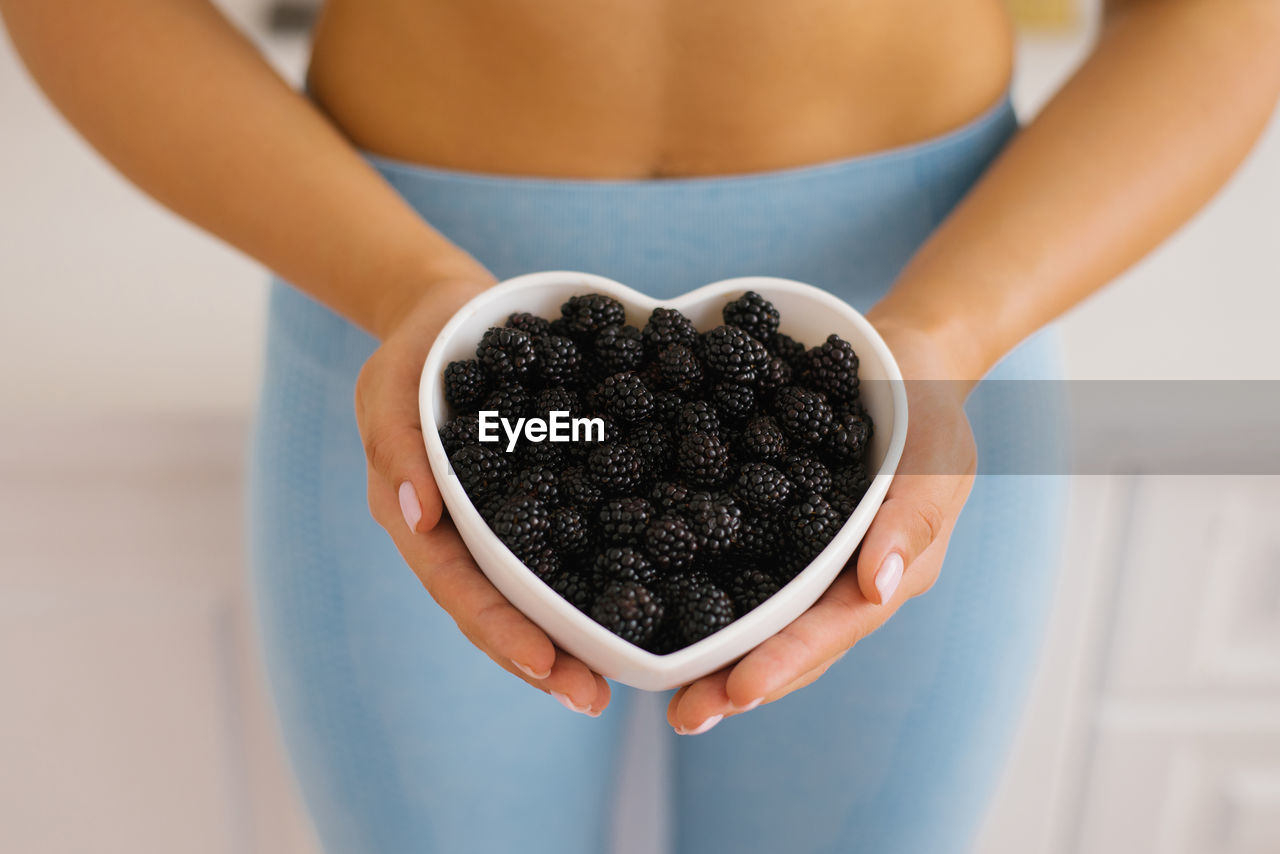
1152, 124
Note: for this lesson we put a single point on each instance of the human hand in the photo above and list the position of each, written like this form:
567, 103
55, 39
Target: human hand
404, 499
899, 557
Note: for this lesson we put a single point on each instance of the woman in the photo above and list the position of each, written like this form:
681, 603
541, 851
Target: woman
865, 147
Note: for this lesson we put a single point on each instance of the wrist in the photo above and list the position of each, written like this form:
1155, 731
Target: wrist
956, 342
444, 284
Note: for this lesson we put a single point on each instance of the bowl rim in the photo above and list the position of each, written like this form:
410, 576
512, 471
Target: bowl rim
633, 656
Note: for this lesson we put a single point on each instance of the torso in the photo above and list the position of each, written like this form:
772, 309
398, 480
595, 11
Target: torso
649, 88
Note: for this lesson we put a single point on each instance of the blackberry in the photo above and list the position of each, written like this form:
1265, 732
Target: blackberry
788, 349
509, 401
762, 439
567, 531
539, 482
750, 589
855, 407
625, 397
579, 586
671, 543
679, 370
488, 504
649, 373
586, 315
698, 416
619, 348
733, 354
703, 458
480, 469
666, 327
459, 432
653, 441
833, 368
623, 520
629, 610
848, 485
541, 454
759, 537
624, 563
464, 384
789, 566
701, 497
615, 466
666, 408
762, 487
775, 375
812, 523
506, 354
716, 525
807, 473
559, 362
669, 495
579, 489
526, 322
555, 399
545, 563
734, 402
697, 608
848, 437
753, 313
805, 415
521, 523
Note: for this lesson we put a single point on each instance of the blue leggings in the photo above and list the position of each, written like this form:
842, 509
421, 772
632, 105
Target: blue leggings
407, 739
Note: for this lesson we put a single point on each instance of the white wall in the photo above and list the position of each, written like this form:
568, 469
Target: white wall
1218, 277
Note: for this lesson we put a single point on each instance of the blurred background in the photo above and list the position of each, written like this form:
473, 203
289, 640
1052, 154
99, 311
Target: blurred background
134, 717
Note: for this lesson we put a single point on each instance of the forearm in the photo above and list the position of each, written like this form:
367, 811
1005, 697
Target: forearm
1144, 133
184, 106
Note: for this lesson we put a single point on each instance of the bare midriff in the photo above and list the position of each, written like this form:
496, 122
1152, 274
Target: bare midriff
653, 88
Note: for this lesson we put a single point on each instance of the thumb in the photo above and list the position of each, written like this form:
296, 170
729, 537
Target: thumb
399, 474
911, 518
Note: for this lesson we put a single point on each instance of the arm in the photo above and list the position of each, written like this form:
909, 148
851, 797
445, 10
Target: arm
1147, 130
180, 102
1173, 96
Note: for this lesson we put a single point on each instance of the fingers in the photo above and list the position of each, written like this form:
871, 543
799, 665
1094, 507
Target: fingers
917, 512
805, 679
839, 618
699, 706
447, 570
391, 426
498, 628
570, 682
574, 685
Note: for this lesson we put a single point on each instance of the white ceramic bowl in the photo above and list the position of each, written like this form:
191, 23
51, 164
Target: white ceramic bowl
808, 314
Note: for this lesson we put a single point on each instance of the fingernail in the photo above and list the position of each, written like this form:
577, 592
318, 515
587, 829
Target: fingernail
749, 706
409, 506
703, 727
888, 576
529, 671
568, 704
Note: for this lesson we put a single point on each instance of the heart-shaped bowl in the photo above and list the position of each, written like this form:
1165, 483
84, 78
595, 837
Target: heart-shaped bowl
808, 314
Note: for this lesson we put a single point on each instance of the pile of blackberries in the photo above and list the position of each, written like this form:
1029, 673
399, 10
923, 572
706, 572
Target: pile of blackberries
729, 459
